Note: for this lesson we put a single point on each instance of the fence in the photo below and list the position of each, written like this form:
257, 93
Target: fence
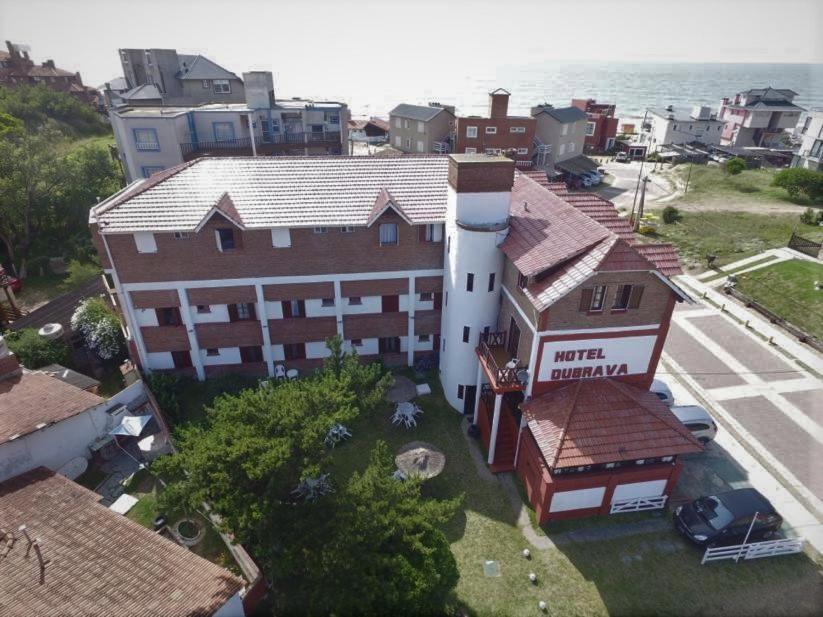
804, 245
638, 504
754, 550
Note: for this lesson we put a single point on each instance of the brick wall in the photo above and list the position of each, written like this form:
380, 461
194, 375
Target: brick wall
427, 322
488, 176
376, 325
232, 334
302, 329
503, 139
165, 338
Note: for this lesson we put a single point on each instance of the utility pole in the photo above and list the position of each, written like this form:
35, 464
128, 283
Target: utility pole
642, 162
636, 221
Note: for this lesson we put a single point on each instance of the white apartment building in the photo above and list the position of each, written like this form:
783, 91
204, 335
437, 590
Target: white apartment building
810, 155
675, 126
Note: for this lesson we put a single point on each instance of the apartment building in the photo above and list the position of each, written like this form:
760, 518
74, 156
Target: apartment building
153, 138
675, 126
164, 77
520, 294
499, 133
422, 129
758, 117
810, 154
601, 125
560, 133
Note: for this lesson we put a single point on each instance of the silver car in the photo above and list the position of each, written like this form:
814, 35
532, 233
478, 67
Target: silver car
662, 391
697, 420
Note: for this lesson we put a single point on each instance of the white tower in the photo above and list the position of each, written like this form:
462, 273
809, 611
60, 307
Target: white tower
477, 221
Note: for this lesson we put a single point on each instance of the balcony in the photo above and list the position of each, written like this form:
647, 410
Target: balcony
496, 361
267, 143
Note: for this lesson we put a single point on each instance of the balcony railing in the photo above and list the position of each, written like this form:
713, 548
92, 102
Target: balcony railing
267, 138
492, 350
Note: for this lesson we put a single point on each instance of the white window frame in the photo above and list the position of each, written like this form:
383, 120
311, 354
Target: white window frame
389, 234
144, 241
470, 151
522, 151
421, 127
280, 238
517, 129
405, 123
491, 130
398, 141
221, 86
572, 147
565, 129
397, 123
408, 143
471, 132
590, 128
421, 146
321, 229
347, 229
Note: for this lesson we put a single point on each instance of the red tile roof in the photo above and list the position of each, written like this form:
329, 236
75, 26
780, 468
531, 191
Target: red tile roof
31, 399
598, 421
98, 562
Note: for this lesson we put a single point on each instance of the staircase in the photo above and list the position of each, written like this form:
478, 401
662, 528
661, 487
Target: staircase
507, 432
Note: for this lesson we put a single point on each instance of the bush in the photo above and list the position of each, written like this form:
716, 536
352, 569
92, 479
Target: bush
811, 217
34, 351
735, 166
671, 215
166, 388
799, 182
100, 327
81, 273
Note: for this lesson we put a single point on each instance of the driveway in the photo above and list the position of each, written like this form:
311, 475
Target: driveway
624, 182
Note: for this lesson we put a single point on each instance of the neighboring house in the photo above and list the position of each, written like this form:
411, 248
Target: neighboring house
16, 69
422, 129
529, 295
511, 136
559, 134
674, 126
153, 138
810, 155
758, 117
46, 421
66, 553
371, 131
164, 77
601, 125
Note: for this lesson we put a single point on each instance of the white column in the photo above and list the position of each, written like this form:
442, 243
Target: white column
498, 400
477, 394
410, 343
185, 313
264, 327
251, 133
338, 308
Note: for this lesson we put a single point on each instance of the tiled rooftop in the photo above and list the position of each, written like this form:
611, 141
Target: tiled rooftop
598, 421
99, 563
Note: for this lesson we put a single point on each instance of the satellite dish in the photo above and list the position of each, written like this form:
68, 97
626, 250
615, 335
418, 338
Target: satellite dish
523, 376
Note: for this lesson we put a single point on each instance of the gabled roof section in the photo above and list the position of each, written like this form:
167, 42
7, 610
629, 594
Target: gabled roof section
595, 421
564, 115
384, 202
424, 113
200, 67
500, 91
225, 207
146, 92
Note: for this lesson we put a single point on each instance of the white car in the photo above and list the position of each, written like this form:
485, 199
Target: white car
697, 420
662, 391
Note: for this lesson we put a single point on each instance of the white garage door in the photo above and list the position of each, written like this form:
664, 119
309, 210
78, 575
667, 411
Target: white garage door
575, 500
638, 489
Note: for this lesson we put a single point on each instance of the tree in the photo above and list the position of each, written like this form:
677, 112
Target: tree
35, 351
670, 215
36, 105
801, 182
99, 325
735, 166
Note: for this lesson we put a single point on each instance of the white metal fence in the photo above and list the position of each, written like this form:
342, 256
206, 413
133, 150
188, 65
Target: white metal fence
754, 550
638, 504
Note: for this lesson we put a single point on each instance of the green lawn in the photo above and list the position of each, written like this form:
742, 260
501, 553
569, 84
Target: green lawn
731, 235
721, 272
708, 183
787, 289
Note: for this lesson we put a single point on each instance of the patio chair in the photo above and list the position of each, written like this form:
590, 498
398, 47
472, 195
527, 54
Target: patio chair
279, 371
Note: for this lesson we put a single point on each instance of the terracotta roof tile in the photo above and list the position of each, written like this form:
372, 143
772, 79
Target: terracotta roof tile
598, 421
100, 563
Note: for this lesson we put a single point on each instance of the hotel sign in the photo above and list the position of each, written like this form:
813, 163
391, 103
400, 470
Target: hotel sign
592, 358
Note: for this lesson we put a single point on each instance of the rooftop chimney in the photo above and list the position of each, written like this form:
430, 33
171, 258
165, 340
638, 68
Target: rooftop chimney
259, 87
498, 103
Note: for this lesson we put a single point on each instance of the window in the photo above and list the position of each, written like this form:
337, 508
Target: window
469, 281
294, 351
471, 132
221, 86
491, 281
146, 140
332, 118
356, 342
242, 311
593, 298
517, 129
565, 130
206, 84
223, 131
492, 151
590, 126
431, 233
421, 127
203, 308
817, 149
562, 150
388, 234
426, 296
280, 238
397, 123
405, 123
181, 359
460, 390
327, 302
181, 235
145, 243
398, 141
293, 308
423, 338
408, 143
168, 316
522, 151
148, 171
572, 147
347, 229
522, 280
355, 300
491, 130
212, 351
389, 344
466, 333
674, 127
447, 298
321, 230
225, 239
253, 353
628, 297
421, 147
470, 151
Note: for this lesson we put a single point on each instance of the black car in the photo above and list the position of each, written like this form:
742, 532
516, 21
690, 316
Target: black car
726, 518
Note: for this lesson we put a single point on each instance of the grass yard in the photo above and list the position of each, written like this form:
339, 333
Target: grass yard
787, 289
731, 235
721, 272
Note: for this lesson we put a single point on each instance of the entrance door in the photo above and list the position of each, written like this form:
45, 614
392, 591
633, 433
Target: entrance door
438, 300
513, 342
469, 394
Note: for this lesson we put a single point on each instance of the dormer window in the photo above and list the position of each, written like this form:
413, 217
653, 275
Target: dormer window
388, 234
225, 239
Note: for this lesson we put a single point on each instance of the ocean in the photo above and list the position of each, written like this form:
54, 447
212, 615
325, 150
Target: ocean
631, 86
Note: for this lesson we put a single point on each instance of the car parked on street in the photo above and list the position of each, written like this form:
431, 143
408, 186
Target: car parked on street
697, 420
725, 518
621, 157
663, 392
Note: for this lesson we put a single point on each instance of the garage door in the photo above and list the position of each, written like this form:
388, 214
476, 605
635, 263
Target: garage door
576, 500
638, 489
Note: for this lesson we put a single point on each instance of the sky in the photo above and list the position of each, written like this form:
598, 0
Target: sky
322, 47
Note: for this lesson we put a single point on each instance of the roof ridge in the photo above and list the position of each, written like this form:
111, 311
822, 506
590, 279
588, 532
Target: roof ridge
569, 411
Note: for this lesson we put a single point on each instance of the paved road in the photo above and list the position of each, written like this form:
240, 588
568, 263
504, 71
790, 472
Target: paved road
771, 401
621, 190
